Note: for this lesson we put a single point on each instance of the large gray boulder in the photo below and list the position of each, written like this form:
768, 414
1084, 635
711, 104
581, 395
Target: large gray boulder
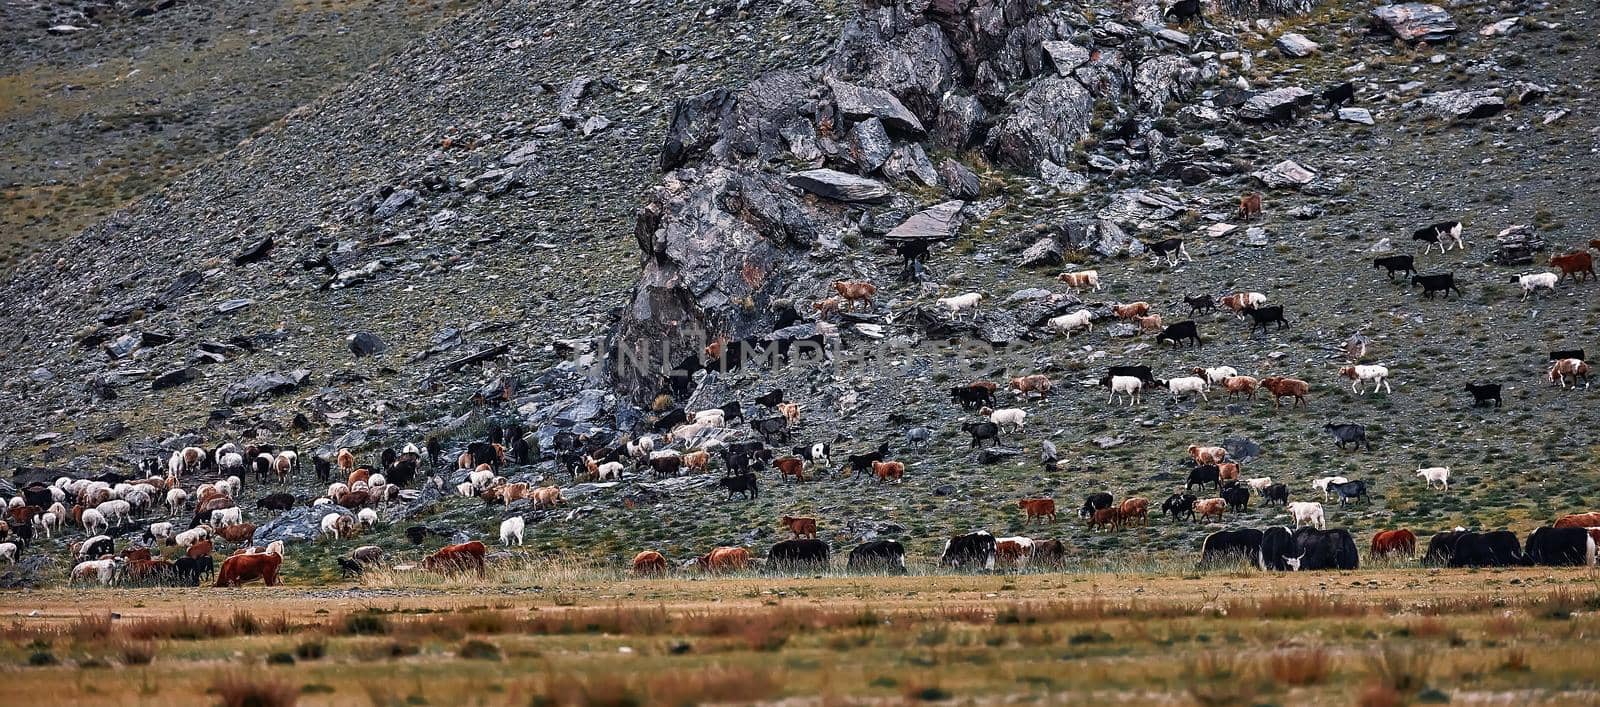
1462, 105
1266, 104
872, 145
939, 222
297, 525
860, 103
264, 385
1046, 123
1415, 21
1101, 237
1287, 173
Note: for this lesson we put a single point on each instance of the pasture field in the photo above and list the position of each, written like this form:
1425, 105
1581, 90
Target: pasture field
1372, 637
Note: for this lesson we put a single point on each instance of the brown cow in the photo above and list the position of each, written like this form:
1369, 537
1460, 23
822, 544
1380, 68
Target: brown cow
1105, 517
1013, 551
724, 559
1227, 471
1210, 508
1207, 455
238, 569
990, 386
1035, 383
1578, 264
199, 549
346, 460
1130, 310
354, 499
855, 291
887, 470
1042, 508
790, 466
456, 558
1236, 385
141, 569
1136, 507
202, 512
698, 460
1397, 542
801, 527
1579, 520
649, 564
465, 461
1281, 388
1081, 279
237, 533
361, 475
1250, 205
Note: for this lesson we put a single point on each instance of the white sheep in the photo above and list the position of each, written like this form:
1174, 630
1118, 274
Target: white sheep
712, 417
192, 536
1436, 475
1535, 281
47, 521
1322, 484
1129, 385
962, 303
1187, 384
225, 517
106, 571
161, 531
335, 524
93, 521
610, 469
1307, 512
368, 517
15, 502
377, 480
466, 488
1067, 323
1006, 416
481, 479
231, 463
337, 489
511, 528
233, 486
644, 445
177, 499
1259, 484
9, 551
1379, 375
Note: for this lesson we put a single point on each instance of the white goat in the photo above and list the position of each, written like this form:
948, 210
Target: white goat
962, 303
1436, 475
1535, 281
1307, 513
1187, 384
511, 528
1067, 323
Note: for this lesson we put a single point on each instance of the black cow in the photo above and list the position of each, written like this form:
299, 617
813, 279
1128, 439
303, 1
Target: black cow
862, 463
878, 556
680, 378
1180, 331
1200, 303
38, 495
740, 484
1308, 549
1183, 11
1396, 263
276, 502
971, 397
1350, 490
1179, 506
1442, 548
23, 532
323, 467
1561, 547
668, 420
1276, 492
1237, 496
1339, 95
1499, 548
435, 450
798, 554
732, 410
1230, 546
778, 425
771, 399
1351, 434
1202, 475
1430, 284
1141, 372
974, 550
1262, 316
1570, 353
1094, 502
1484, 393
981, 431
192, 569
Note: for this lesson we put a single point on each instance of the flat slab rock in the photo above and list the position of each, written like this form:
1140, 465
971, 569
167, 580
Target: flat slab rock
1263, 105
1287, 173
840, 186
939, 221
1462, 105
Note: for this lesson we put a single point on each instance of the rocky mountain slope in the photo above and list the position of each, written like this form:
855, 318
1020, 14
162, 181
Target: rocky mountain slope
518, 211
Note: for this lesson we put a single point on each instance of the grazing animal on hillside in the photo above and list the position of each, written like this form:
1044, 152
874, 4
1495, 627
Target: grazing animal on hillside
1241, 385
1484, 393
1130, 310
981, 431
741, 484
878, 556
1533, 282
1579, 520
1135, 507
1200, 303
962, 303
973, 395
724, 559
649, 563
1349, 491
1323, 483
1348, 433
238, 569
857, 292
1043, 509
1238, 302
1286, 388
1183, 11
1401, 542
1151, 323
1179, 505
1207, 455
511, 529
1068, 323
974, 550
1094, 502
1186, 384
1561, 547
800, 527
1237, 497
1119, 385
889, 470
1081, 279
1436, 475
1215, 375
1276, 493
1443, 282
1262, 316
1440, 234
1569, 368
1307, 513
1024, 386
1338, 95
1175, 333
1204, 474
1250, 205
1229, 546
457, 558
1170, 249
1578, 265
794, 555
1004, 417
1396, 263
